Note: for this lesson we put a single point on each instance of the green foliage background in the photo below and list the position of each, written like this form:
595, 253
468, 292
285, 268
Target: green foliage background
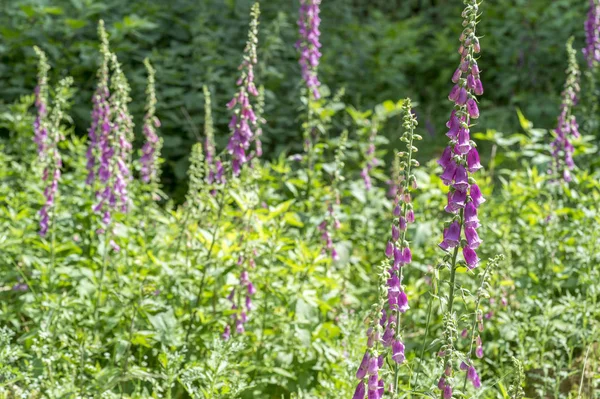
376, 49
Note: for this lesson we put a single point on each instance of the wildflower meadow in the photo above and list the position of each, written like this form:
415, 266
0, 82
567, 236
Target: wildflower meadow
243, 220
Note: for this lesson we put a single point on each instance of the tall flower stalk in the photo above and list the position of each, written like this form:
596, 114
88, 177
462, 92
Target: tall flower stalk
50, 157
459, 160
101, 108
113, 173
150, 171
384, 335
400, 249
40, 125
243, 120
240, 296
567, 127
309, 44
111, 176
592, 34
209, 139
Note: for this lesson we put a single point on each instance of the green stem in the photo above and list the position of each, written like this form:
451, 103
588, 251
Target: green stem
452, 278
309, 151
103, 273
131, 328
403, 239
429, 311
183, 229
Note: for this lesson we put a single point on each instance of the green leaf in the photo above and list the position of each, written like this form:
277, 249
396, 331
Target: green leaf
75, 23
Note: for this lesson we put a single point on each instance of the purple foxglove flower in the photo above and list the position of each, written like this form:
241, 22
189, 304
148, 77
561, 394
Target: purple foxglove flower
463, 146
472, 238
337, 224
397, 257
446, 158
461, 179
476, 46
471, 373
476, 195
462, 96
479, 352
478, 87
473, 162
447, 392
381, 389
226, 333
239, 326
373, 366
360, 391
362, 369
402, 223
470, 258
463, 366
373, 395
397, 210
244, 280
472, 108
323, 225
388, 336
449, 172
453, 126
471, 82
389, 249
476, 382
383, 318
366, 178
394, 285
403, 302
471, 219
406, 256
454, 93
410, 216
398, 352
452, 235
441, 383
395, 233
334, 254
456, 201
251, 289
456, 76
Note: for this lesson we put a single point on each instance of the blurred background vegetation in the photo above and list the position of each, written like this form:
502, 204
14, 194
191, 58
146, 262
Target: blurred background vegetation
375, 49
